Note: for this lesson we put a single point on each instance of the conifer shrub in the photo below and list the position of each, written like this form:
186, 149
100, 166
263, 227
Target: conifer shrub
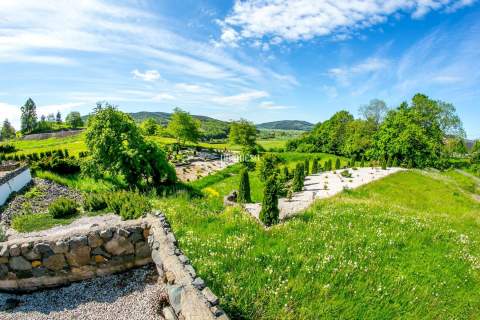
307, 167
298, 178
389, 162
268, 166
383, 164
63, 207
269, 214
244, 188
395, 162
128, 205
315, 166
286, 173
337, 164
95, 201
362, 162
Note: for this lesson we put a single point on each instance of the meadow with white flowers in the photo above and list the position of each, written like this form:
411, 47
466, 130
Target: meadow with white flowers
406, 246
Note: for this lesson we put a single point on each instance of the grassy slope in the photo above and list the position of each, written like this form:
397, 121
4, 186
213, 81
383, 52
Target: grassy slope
403, 247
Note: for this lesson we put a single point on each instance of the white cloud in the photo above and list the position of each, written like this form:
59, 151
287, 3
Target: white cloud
149, 75
293, 20
163, 97
241, 98
371, 65
270, 105
188, 87
10, 112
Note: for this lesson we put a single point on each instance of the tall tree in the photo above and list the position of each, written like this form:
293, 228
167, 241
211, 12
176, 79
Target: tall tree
29, 116
58, 117
243, 133
8, 131
74, 120
150, 127
184, 127
269, 213
117, 147
244, 187
416, 133
375, 111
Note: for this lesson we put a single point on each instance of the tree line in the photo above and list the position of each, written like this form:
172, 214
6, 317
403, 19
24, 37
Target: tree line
30, 123
422, 133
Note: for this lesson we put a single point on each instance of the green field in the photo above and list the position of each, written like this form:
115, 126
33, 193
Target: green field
406, 246
76, 144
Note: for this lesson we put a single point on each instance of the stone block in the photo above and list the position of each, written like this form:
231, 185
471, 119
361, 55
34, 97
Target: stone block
210, 296
142, 250
60, 247
79, 256
15, 250
94, 240
119, 246
169, 313
44, 249
55, 262
19, 264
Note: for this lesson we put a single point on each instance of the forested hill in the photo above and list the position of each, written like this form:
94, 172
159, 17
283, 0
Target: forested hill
287, 125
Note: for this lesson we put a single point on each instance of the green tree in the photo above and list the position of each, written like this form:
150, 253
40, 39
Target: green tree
267, 166
29, 116
298, 178
184, 127
269, 214
58, 117
74, 120
475, 152
244, 188
243, 133
337, 164
116, 146
8, 131
307, 167
374, 112
149, 127
315, 166
416, 133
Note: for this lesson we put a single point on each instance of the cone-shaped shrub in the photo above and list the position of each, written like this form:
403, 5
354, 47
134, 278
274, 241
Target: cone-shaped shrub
395, 162
244, 188
307, 167
269, 214
286, 174
362, 163
315, 166
298, 178
337, 164
384, 164
389, 162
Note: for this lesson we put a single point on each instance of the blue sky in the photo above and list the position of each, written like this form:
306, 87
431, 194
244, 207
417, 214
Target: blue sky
262, 60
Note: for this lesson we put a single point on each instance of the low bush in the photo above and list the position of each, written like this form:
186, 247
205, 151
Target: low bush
58, 165
346, 174
95, 202
7, 148
129, 205
63, 208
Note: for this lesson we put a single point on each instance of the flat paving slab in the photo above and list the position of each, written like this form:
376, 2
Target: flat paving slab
323, 185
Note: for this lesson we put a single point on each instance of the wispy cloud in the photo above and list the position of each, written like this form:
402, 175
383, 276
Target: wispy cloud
270, 105
241, 98
149, 75
293, 20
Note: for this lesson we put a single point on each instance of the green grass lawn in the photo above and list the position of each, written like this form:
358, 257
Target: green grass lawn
406, 246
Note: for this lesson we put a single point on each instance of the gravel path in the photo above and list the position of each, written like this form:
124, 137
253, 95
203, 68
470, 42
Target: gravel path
131, 295
323, 185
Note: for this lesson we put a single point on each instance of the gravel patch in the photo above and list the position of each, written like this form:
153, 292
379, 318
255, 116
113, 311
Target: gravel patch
48, 191
133, 295
321, 186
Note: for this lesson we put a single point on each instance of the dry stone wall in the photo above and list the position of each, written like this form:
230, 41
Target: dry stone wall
31, 264
188, 296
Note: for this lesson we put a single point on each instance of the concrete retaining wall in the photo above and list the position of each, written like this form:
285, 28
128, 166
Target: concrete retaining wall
13, 181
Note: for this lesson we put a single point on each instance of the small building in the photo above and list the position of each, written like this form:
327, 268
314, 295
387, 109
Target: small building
13, 178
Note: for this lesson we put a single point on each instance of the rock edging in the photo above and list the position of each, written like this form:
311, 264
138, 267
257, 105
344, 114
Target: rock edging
189, 297
30, 264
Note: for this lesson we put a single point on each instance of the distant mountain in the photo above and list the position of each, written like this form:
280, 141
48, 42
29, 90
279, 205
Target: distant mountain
212, 128
287, 125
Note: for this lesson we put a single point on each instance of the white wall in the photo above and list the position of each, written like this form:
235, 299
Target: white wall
15, 184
